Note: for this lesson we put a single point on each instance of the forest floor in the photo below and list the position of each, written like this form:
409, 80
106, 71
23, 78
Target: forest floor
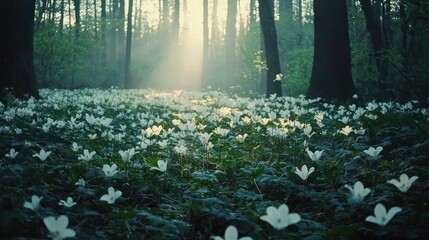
145, 164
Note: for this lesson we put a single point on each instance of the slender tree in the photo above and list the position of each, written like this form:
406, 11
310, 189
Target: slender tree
127, 76
121, 37
77, 19
62, 10
175, 31
214, 29
230, 37
16, 51
378, 44
103, 18
268, 27
205, 32
331, 76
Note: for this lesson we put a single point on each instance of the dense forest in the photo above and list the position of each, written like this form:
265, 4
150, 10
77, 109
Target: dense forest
192, 45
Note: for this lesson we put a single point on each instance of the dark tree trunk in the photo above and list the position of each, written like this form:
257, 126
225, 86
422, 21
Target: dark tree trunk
215, 30
103, 18
95, 19
76, 37
52, 12
62, 10
77, 18
175, 31
121, 38
127, 76
230, 36
16, 52
331, 76
266, 15
388, 23
374, 28
404, 31
300, 21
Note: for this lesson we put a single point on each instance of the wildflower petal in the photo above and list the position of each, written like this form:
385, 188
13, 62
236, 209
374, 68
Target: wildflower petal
293, 218
372, 219
379, 210
392, 212
231, 233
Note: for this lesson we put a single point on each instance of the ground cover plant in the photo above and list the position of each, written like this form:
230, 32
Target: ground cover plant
144, 164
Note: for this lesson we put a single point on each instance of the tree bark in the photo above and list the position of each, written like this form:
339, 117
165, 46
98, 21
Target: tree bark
266, 16
215, 29
175, 31
331, 76
230, 37
127, 76
374, 28
16, 52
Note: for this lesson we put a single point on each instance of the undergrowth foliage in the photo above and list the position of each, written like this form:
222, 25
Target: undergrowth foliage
143, 164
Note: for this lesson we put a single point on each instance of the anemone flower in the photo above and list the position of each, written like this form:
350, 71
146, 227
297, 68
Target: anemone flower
110, 171
42, 155
111, 195
304, 172
280, 218
11, 154
162, 166
86, 156
381, 217
315, 156
358, 191
404, 182
373, 152
68, 203
34, 204
58, 227
231, 233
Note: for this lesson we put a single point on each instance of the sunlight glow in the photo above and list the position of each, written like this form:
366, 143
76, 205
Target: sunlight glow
182, 63
181, 66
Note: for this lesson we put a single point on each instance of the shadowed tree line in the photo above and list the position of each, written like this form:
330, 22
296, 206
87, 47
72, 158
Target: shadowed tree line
323, 48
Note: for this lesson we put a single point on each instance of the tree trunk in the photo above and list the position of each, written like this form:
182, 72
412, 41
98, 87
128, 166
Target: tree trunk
388, 24
300, 21
205, 32
77, 18
175, 31
121, 39
165, 22
215, 29
95, 19
404, 31
374, 27
62, 10
16, 52
331, 76
266, 15
103, 40
230, 36
127, 76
